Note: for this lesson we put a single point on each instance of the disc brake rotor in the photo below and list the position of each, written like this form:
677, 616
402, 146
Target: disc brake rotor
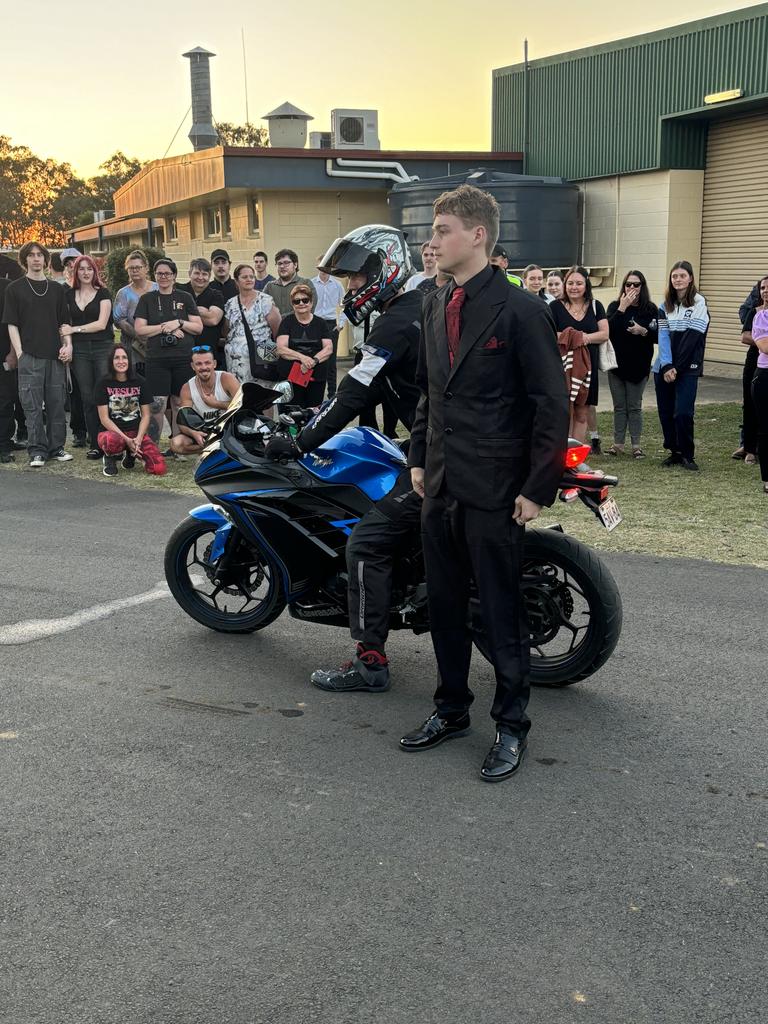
250, 584
547, 603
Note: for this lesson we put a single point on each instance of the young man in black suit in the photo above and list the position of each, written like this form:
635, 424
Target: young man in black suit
487, 451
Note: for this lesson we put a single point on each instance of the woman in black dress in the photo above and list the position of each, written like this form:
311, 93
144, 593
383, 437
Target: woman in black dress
304, 348
578, 309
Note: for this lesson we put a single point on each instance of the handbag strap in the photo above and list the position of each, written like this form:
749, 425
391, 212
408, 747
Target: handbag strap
249, 339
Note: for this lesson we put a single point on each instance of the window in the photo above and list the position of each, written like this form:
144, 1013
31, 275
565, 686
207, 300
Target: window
212, 221
172, 229
227, 219
254, 216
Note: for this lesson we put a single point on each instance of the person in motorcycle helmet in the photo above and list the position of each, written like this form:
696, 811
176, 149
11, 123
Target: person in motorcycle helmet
377, 264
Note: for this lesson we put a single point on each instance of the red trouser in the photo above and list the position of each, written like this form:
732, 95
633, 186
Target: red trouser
113, 444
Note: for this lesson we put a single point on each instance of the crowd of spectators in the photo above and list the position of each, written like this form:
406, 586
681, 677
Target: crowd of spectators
195, 343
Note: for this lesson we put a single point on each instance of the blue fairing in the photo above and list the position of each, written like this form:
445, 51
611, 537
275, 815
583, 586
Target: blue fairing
359, 456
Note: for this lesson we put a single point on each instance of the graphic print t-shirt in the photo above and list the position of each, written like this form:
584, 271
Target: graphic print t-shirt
124, 399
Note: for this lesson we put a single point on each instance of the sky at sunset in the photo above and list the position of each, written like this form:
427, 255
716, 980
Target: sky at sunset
81, 82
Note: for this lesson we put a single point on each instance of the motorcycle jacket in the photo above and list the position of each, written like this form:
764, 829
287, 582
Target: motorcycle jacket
386, 374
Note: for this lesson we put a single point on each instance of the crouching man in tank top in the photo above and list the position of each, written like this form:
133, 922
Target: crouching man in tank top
208, 393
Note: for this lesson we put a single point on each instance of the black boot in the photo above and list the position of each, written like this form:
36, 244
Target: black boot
368, 670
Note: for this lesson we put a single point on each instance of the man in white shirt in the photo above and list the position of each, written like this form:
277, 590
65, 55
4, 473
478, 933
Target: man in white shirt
330, 294
429, 262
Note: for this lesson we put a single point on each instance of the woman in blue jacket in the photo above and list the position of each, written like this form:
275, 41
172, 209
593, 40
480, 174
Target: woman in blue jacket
683, 326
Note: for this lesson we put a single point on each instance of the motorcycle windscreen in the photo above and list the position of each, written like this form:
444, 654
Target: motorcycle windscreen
360, 457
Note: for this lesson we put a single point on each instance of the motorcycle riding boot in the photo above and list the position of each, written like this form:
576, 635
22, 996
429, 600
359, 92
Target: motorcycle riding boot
368, 671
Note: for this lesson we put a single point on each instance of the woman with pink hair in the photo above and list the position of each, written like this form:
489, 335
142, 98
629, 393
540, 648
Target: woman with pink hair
91, 334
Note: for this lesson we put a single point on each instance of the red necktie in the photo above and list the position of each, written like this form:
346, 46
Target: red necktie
453, 321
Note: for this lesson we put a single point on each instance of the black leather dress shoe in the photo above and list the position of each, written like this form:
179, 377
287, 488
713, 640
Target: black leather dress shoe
435, 730
504, 757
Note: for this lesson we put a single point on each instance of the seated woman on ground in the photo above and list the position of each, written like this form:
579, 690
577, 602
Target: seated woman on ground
125, 407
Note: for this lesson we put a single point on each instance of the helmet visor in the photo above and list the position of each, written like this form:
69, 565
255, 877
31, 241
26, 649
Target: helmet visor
344, 258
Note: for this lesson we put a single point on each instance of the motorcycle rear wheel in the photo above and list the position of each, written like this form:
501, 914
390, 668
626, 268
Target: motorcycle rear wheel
252, 601
573, 605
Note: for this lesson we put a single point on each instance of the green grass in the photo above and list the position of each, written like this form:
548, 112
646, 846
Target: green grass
719, 514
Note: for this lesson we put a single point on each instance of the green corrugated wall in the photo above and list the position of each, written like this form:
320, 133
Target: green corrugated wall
599, 111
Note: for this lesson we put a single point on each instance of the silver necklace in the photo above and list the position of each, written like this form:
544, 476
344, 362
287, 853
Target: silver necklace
40, 295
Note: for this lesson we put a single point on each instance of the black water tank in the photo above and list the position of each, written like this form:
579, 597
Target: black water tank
539, 216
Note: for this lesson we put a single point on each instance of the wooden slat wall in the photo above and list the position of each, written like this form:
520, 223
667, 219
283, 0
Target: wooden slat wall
734, 237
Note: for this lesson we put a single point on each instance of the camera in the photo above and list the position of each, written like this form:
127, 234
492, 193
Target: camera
168, 340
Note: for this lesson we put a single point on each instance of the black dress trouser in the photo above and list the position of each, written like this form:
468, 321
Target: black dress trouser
462, 544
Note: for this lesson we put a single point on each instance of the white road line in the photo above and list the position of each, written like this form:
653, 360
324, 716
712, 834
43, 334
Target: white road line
38, 629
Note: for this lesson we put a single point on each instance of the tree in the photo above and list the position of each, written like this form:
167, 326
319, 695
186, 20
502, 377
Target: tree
117, 169
246, 135
44, 199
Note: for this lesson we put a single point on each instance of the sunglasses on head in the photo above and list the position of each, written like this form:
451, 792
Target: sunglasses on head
202, 348
301, 302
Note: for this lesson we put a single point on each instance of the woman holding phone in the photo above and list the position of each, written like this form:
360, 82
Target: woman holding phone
304, 348
633, 325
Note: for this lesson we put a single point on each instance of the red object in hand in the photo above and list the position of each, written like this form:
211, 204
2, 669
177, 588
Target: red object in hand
298, 376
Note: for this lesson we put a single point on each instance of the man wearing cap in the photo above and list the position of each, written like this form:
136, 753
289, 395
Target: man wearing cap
499, 258
68, 257
220, 262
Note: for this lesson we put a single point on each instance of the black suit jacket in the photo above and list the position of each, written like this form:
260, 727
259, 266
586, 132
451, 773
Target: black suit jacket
495, 425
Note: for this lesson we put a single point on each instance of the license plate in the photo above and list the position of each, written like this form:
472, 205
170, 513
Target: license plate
609, 514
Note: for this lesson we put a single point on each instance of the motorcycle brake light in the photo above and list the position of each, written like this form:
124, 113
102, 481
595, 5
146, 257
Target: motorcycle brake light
575, 456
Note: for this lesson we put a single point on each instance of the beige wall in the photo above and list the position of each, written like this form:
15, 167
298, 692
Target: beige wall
642, 222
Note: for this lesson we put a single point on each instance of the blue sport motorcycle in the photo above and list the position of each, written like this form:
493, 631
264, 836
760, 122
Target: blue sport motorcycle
273, 535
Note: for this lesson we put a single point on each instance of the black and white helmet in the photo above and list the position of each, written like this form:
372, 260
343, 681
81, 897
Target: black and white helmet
378, 251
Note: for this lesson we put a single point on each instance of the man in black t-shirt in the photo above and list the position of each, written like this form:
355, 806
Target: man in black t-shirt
210, 304
220, 264
34, 310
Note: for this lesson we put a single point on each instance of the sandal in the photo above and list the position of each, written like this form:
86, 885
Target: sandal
638, 453
750, 459
613, 450
740, 453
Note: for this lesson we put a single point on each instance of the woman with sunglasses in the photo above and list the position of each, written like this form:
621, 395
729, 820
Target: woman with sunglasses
251, 320
304, 348
169, 321
633, 325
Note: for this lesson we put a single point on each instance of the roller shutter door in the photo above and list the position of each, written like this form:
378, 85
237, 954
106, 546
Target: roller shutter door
734, 236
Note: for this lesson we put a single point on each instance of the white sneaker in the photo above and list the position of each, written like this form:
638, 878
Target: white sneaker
36, 462
62, 456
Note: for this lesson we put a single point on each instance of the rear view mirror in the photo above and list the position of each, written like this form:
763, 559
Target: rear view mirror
191, 419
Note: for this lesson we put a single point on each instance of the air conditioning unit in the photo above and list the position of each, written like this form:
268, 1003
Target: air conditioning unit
355, 129
321, 140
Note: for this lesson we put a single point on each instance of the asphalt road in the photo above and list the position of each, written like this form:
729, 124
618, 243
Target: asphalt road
191, 833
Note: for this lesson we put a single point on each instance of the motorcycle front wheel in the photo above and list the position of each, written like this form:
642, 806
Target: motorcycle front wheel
250, 598
573, 607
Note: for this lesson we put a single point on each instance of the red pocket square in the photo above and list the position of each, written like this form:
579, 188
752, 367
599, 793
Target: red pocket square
495, 343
